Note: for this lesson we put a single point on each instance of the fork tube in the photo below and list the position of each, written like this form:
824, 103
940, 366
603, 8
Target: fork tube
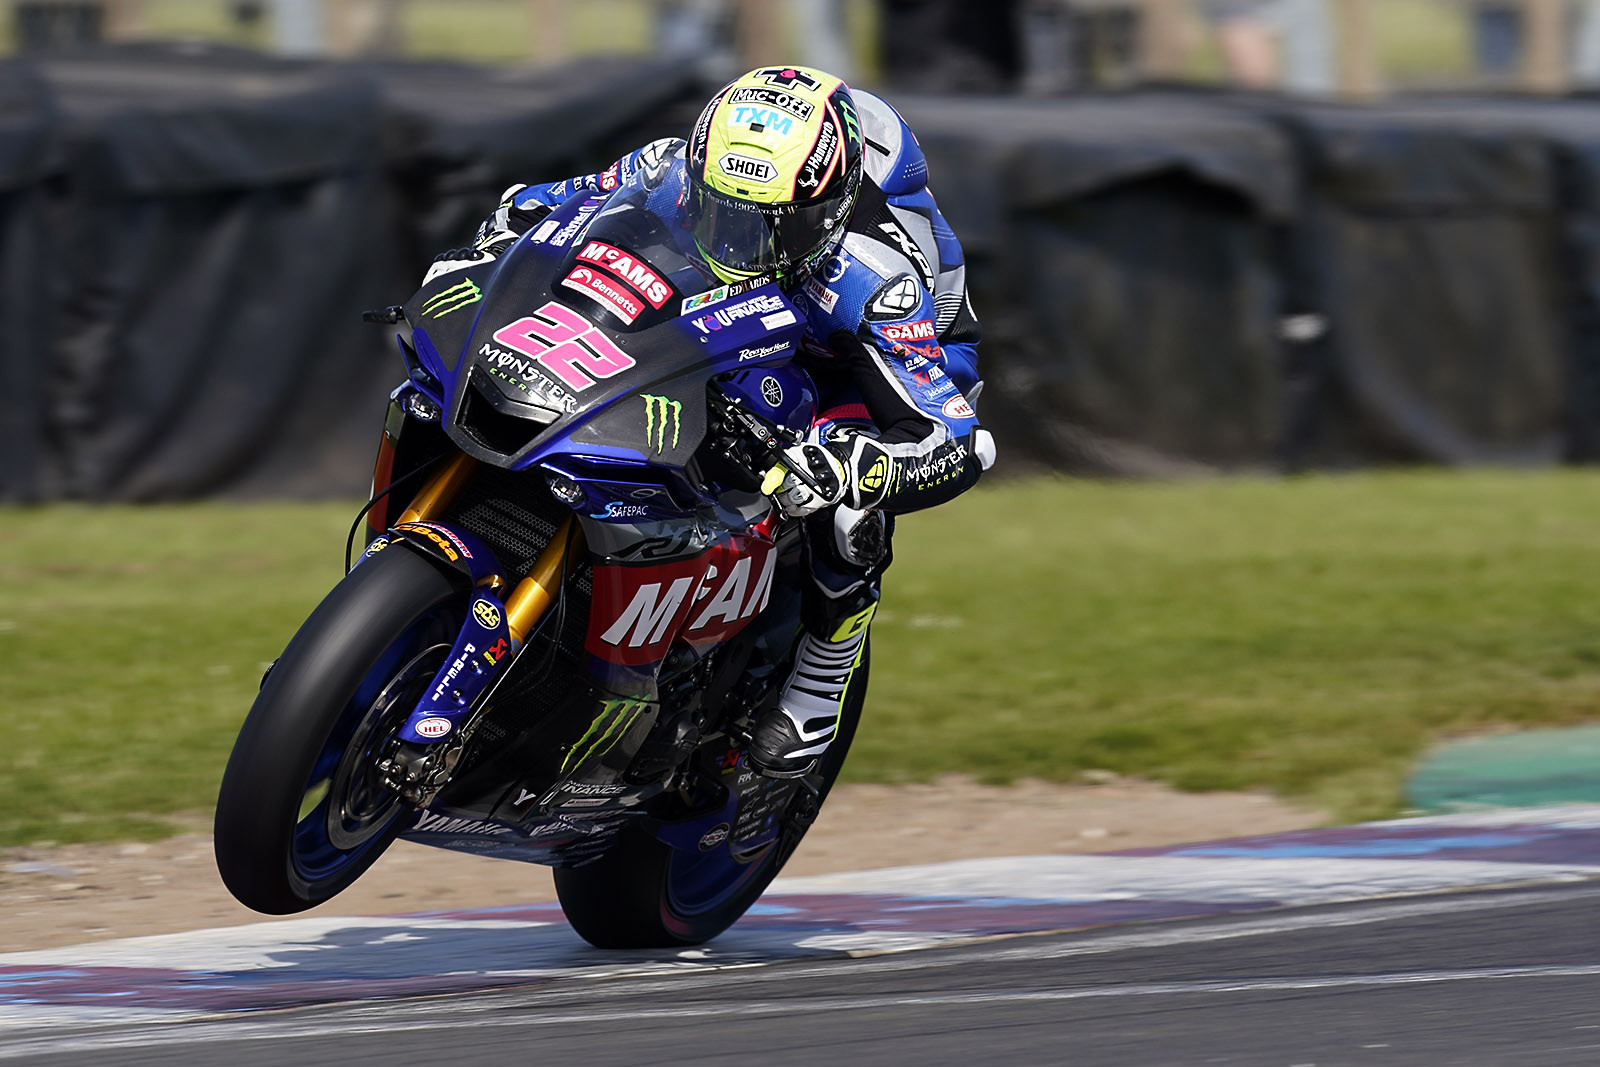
439, 490
534, 594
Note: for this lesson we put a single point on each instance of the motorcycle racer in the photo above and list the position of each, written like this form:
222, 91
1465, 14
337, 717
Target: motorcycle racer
790, 176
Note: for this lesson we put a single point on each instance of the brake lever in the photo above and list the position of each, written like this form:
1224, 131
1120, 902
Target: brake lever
770, 437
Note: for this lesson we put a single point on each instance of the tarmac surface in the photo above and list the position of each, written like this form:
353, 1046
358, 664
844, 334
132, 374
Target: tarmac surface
1490, 978
1458, 940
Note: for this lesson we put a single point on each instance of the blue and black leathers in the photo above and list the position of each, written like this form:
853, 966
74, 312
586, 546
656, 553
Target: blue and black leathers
892, 345
892, 341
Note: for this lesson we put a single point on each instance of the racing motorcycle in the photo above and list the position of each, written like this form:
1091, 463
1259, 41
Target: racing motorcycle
574, 598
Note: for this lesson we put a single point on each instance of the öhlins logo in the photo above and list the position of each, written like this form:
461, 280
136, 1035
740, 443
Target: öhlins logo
657, 410
458, 296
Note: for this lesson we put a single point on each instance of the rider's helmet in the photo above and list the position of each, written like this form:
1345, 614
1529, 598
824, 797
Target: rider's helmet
774, 166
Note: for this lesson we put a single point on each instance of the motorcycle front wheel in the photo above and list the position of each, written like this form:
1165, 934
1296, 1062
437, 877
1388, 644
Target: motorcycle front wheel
302, 811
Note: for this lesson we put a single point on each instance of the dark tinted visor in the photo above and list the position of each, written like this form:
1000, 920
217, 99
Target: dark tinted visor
750, 237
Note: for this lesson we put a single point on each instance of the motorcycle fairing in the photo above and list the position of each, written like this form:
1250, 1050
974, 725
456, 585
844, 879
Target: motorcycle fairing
640, 610
620, 408
526, 368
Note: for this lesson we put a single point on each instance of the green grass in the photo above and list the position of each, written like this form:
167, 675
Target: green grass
1309, 637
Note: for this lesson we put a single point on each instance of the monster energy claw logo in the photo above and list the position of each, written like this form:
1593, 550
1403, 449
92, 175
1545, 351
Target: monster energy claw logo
849, 113
454, 298
614, 720
657, 409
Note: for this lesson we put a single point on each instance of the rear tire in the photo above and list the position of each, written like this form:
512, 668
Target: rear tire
628, 899
300, 814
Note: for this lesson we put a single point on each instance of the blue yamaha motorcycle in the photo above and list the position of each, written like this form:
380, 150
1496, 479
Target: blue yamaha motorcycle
575, 598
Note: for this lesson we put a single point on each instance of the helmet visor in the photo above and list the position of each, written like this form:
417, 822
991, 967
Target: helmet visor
757, 238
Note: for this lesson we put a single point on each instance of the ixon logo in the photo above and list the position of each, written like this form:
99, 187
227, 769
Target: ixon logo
657, 410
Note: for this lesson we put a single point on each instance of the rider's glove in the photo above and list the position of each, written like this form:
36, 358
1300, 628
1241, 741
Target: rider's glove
853, 469
455, 259
796, 498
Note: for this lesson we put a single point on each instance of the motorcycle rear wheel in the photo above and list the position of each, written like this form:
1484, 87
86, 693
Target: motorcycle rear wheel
301, 813
643, 893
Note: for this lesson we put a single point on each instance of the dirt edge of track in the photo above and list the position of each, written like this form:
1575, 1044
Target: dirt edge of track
53, 896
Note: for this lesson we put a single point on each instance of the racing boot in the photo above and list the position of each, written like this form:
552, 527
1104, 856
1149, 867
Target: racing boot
789, 739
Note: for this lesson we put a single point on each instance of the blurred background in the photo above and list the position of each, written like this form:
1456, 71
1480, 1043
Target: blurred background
1205, 237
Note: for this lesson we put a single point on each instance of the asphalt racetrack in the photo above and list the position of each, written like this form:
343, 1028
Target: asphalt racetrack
1423, 966
1473, 978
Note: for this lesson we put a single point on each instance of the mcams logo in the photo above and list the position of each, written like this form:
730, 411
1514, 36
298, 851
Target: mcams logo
657, 411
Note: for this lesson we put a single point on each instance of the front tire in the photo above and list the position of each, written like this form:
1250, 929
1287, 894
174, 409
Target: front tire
301, 813
642, 893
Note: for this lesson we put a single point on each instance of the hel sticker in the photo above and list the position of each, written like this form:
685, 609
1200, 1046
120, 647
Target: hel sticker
958, 408
486, 613
777, 319
433, 728
748, 168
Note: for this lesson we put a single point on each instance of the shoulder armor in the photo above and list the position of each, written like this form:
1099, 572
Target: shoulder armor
893, 158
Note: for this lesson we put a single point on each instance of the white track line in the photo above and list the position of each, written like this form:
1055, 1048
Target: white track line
249, 1030
478, 1009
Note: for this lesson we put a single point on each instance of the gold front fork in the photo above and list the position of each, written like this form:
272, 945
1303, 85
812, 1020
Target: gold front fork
534, 594
436, 494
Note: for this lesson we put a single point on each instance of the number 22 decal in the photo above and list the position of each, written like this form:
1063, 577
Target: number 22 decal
566, 344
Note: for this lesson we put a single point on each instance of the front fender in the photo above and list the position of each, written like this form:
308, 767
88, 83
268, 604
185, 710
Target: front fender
457, 549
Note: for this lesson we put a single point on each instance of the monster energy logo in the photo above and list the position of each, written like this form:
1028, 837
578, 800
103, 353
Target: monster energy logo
454, 298
614, 720
849, 113
656, 411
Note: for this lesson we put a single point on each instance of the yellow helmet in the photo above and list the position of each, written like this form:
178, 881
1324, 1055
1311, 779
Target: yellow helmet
774, 166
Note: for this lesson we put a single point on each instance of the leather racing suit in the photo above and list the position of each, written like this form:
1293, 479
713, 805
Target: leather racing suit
892, 346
